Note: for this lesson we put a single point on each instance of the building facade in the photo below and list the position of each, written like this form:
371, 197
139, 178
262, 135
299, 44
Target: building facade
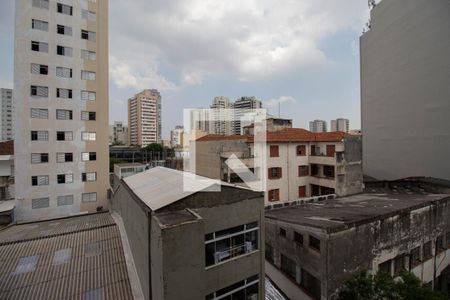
404, 98
241, 107
318, 126
221, 117
61, 107
176, 137
6, 115
119, 133
340, 125
185, 247
144, 118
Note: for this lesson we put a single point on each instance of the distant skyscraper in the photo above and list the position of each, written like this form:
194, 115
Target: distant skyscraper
119, 133
340, 125
220, 116
318, 126
242, 106
61, 103
405, 90
176, 136
7, 115
144, 118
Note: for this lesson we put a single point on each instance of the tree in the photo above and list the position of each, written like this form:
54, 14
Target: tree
382, 286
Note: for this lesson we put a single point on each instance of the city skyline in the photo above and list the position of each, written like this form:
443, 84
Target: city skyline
311, 47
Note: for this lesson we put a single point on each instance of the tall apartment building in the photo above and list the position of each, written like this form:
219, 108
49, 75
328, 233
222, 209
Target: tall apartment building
119, 133
405, 98
176, 137
144, 118
241, 107
340, 125
61, 100
221, 117
6, 115
318, 126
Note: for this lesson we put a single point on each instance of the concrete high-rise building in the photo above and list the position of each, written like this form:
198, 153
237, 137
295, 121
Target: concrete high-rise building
340, 125
61, 103
6, 115
176, 137
318, 126
221, 116
241, 107
119, 133
144, 118
405, 92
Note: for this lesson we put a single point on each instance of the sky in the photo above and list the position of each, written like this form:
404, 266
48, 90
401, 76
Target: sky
303, 54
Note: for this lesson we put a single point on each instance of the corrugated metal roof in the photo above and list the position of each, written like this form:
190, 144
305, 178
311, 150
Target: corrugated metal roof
56, 260
159, 187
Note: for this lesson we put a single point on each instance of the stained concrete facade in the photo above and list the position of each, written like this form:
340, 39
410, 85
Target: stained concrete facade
382, 229
405, 93
168, 243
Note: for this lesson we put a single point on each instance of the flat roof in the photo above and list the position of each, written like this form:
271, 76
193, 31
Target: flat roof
339, 214
174, 218
76, 257
125, 165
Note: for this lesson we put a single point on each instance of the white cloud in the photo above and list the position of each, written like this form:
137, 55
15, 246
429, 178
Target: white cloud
283, 99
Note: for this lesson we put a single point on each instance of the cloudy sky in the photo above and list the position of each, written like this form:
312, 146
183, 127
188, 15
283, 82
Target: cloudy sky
302, 53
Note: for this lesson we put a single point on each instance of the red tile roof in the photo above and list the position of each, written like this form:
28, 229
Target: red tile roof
7, 148
221, 137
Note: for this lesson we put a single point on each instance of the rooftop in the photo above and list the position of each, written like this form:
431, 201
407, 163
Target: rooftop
76, 257
128, 165
378, 203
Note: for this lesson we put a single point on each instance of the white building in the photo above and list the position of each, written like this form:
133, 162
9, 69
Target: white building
6, 115
241, 107
176, 137
340, 125
221, 116
318, 126
119, 133
61, 107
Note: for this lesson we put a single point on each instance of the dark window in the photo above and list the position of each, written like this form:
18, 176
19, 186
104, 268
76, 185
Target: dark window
385, 267
288, 266
440, 244
92, 156
84, 34
269, 253
414, 259
282, 232
274, 151
399, 264
303, 171
44, 157
298, 237
328, 171
301, 150
275, 173
61, 178
60, 135
274, 195
447, 237
427, 251
34, 46
314, 170
314, 243
64, 9
302, 191
68, 157
311, 284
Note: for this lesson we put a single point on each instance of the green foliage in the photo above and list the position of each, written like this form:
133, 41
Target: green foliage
155, 148
113, 161
382, 286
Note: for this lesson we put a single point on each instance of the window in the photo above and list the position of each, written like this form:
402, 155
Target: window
274, 151
314, 170
63, 72
303, 171
64, 51
88, 115
39, 158
331, 150
90, 176
39, 91
65, 200
39, 180
40, 4
39, 46
62, 157
88, 136
39, 135
88, 15
64, 135
65, 178
228, 243
87, 75
89, 55
302, 191
274, 195
311, 284
269, 253
39, 25
298, 238
64, 30
64, 9
26, 264
63, 114
63, 93
88, 35
289, 267
87, 95
39, 113
62, 256
427, 251
301, 150
328, 171
39, 69
282, 232
275, 173
440, 244
399, 264
245, 289
414, 259
314, 243
89, 197
88, 156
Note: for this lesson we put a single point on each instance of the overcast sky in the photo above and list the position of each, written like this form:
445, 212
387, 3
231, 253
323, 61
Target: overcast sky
303, 53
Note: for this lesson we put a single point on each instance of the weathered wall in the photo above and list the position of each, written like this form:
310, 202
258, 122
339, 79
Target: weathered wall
349, 170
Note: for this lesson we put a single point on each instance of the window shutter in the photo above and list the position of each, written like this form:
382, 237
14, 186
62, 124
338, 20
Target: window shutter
35, 158
69, 178
42, 91
42, 135
65, 200
60, 157
269, 171
68, 135
35, 69
40, 203
42, 180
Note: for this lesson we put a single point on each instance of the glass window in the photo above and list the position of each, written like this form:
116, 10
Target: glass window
89, 197
64, 9
247, 289
39, 25
289, 267
314, 243
40, 203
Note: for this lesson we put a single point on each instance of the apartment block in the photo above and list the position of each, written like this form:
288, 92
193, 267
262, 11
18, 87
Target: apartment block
405, 98
299, 164
6, 115
313, 248
221, 116
176, 137
144, 118
318, 126
241, 107
61, 107
185, 246
340, 125
119, 133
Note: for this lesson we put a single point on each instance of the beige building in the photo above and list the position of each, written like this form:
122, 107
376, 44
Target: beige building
299, 164
144, 118
61, 97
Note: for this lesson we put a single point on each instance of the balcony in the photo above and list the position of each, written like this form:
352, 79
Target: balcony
322, 160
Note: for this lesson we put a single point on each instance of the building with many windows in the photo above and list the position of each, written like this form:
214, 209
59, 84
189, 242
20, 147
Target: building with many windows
118, 133
176, 137
340, 125
185, 246
241, 107
318, 126
61, 103
6, 115
144, 118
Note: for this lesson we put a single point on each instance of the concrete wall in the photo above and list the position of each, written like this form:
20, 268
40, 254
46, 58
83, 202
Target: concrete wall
405, 92
349, 174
